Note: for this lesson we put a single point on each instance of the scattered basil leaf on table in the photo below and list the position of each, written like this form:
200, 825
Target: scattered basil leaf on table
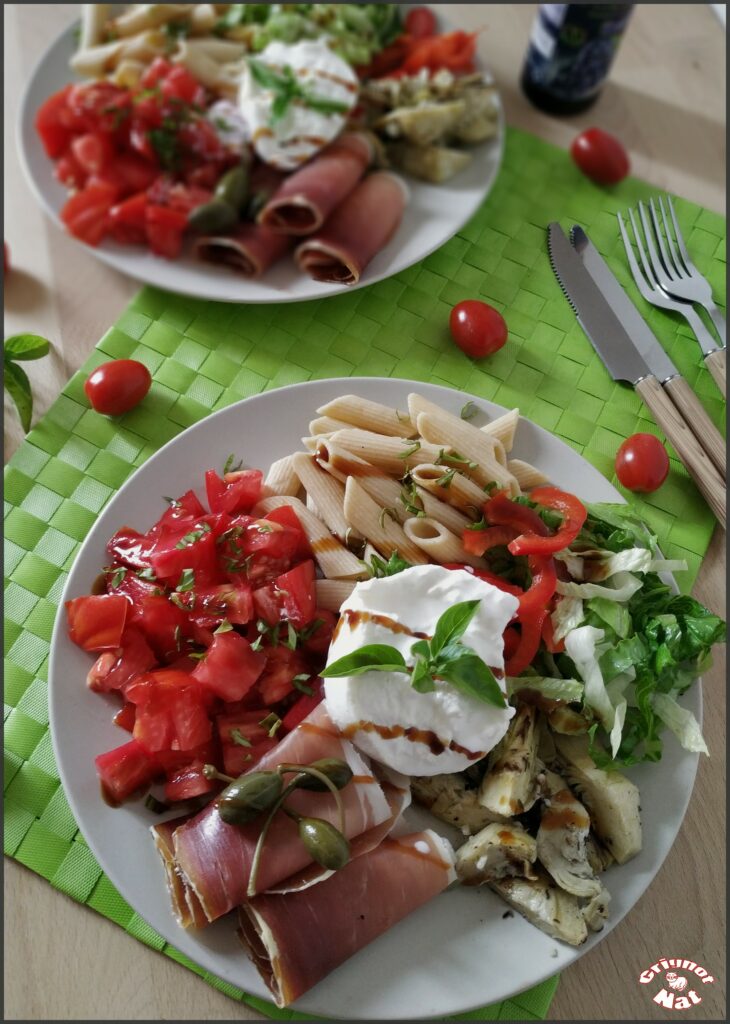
22, 347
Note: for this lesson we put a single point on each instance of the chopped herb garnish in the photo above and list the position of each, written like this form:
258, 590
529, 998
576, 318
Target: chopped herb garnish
411, 499
286, 89
178, 638
300, 683
481, 524
453, 459
491, 487
187, 580
239, 739
118, 576
310, 630
225, 627
172, 502
193, 536
271, 723
146, 574
230, 467
445, 480
179, 601
469, 411
380, 568
411, 448
265, 528
222, 126
291, 637
197, 655
390, 512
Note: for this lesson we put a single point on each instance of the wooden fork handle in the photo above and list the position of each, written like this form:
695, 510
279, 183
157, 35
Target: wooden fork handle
692, 455
716, 365
700, 423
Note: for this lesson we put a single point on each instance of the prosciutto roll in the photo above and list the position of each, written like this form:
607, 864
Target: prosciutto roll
213, 859
358, 229
307, 197
251, 249
297, 939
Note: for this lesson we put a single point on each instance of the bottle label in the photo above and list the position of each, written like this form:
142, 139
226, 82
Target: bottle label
572, 47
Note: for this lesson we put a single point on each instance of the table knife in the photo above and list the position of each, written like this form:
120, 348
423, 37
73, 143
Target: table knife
648, 345
625, 362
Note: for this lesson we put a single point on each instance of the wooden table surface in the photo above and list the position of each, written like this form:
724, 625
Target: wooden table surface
666, 99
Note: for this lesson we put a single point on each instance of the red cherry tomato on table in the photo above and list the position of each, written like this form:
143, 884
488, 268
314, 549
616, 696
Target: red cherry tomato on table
420, 22
642, 463
478, 329
116, 387
600, 156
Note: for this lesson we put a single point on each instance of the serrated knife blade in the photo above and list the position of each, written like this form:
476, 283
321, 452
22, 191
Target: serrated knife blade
674, 406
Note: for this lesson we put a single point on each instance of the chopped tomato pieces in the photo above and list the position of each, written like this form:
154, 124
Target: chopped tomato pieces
96, 623
125, 770
230, 667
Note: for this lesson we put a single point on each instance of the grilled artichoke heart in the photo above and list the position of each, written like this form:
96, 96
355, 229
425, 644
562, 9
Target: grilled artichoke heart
561, 844
595, 912
498, 851
448, 798
509, 786
429, 163
424, 124
549, 908
611, 799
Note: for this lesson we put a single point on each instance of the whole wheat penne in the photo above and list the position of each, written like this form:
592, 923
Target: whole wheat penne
526, 475
470, 443
282, 478
310, 503
393, 494
393, 455
326, 425
437, 542
203, 19
95, 61
335, 561
361, 412
332, 594
326, 494
93, 19
341, 462
144, 46
139, 17
128, 73
444, 513
453, 488
201, 65
222, 51
384, 533
503, 428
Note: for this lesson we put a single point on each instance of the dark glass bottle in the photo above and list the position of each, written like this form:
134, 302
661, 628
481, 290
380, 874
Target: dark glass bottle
572, 47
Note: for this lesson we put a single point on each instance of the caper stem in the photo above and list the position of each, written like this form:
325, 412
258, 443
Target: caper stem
251, 889
292, 814
211, 772
306, 769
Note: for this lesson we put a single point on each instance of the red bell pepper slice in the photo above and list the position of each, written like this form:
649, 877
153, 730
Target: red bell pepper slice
476, 542
574, 515
544, 582
502, 511
548, 637
528, 645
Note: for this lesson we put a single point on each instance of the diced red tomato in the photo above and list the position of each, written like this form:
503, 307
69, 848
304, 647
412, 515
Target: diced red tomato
155, 73
171, 711
55, 134
93, 151
236, 492
127, 221
86, 213
165, 626
179, 196
188, 544
276, 682
261, 548
98, 104
96, 622
187, 782
165, 229
113, 670
318, 642
297, 594
285, 515
266, 603
304, 706
124, 718
125, 770
454, 51
230, 667
231, 601
179, 84
69, 171
130, 547
244, 741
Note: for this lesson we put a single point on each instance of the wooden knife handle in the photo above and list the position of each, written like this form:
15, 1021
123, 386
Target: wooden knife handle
692, 456
700, 423
716, 365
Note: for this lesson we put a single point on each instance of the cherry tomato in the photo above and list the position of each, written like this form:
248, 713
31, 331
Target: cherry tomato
478, 329
600, 156
420, 22
642, 463
116, 387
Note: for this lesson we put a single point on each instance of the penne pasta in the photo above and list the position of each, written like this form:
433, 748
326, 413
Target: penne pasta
382, 531
128, 73
282, 478
367, 415
503, 428
222, 51
438, 543
393, 455
145, 46
139, 17
94, 61
526, 475
326, 494
200, 64
203, 19
335, 561
310, 443
332, 594
326, 425
470, 443
93, 20
453, 488
341, 463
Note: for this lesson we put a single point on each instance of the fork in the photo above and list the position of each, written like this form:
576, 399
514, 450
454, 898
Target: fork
652, 283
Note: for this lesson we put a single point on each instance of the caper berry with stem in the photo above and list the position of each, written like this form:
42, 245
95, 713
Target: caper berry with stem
338, 772
324, 843
232, 188
213, 217
248, 796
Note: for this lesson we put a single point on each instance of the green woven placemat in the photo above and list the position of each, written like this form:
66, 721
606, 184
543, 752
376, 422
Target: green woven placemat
204, 356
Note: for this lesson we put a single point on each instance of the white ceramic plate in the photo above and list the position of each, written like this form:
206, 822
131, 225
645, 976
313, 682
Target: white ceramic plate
456, 953
434, 214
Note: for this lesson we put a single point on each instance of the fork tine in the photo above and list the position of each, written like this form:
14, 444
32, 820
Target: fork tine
679, 235
653, 255
671, 272
642, 252
677, 265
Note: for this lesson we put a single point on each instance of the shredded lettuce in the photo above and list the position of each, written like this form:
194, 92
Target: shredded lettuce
608, 614
569, 690
623, 586
581, 646
682, 722
567, 615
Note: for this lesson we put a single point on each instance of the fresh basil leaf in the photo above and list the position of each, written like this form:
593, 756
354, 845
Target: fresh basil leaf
421, 679
18, 387
452, 624
26, 346
380, 568
370, 658
118, 576
264, 76
472, 676
322, 104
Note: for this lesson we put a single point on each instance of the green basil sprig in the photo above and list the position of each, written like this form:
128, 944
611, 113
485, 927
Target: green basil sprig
441, 657
17, 385
287, 88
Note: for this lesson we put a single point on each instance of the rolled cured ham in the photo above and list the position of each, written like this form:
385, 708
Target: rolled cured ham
357, 230
212, 860
307, 197
297, 939
250, 249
